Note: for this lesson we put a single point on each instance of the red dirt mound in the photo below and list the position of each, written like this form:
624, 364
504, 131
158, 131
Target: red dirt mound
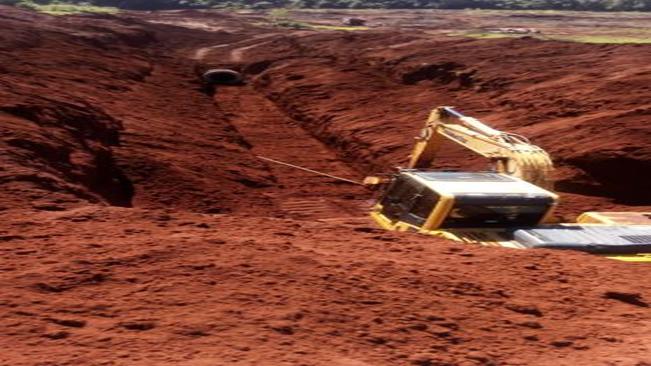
56, 135
368, 94
101, 121
220, 258
177, 288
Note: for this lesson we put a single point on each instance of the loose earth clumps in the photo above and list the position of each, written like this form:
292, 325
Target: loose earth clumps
139, 227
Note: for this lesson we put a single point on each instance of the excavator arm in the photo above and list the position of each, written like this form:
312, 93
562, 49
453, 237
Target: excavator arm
491, 208
511, 154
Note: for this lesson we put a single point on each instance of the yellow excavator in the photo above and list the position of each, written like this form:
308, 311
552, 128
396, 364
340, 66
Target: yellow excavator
510, 206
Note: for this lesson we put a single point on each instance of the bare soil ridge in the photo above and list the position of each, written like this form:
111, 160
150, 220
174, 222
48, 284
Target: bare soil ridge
139, 228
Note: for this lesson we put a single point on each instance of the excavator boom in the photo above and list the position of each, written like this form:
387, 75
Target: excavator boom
510, 154
510, 207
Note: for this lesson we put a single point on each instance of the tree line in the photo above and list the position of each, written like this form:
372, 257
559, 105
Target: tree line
592, 5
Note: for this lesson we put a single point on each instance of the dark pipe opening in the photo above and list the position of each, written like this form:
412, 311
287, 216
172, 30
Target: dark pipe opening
222, 76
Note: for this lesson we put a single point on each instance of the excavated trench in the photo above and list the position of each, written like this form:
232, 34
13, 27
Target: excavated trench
342, 104
367, 102
225, 258
272, 134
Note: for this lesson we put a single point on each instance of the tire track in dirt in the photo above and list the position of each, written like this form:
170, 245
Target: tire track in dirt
272, 134
235, 54
238, 54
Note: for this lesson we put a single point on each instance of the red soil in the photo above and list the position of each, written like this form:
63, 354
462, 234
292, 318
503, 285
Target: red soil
139, 228
369, 93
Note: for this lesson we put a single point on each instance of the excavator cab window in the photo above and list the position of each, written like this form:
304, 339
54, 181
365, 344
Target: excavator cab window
408, 201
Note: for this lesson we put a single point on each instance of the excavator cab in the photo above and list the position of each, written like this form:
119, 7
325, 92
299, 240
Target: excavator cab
428, 200
510, 207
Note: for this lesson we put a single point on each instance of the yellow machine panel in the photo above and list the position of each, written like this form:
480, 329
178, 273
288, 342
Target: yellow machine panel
615, 218
510, 207
429, 200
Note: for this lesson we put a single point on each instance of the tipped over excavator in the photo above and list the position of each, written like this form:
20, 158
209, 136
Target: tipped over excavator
510, 206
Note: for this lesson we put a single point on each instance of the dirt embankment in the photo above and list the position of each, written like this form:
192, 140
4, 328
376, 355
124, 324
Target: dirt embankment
56, 132
369, 93
223, 259
178, 288
102, 109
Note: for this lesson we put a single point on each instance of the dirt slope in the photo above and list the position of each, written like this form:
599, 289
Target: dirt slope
112, 119
368, 94
55, 134
171, 287
138, 227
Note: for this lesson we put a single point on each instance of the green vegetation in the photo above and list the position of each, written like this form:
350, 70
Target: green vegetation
60, 8
603, 39
585, 38
483, 35
281, 18
338, 27
66, 8
593, 5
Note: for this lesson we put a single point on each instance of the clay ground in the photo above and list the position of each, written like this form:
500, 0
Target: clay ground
139, 227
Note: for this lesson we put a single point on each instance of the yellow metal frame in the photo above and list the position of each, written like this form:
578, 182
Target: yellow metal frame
615, 218
512, 155
435, 218
440, 212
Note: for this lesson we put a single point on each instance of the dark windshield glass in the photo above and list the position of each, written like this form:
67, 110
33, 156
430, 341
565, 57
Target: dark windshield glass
494, 216
423, 205
409, 201
398, 198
